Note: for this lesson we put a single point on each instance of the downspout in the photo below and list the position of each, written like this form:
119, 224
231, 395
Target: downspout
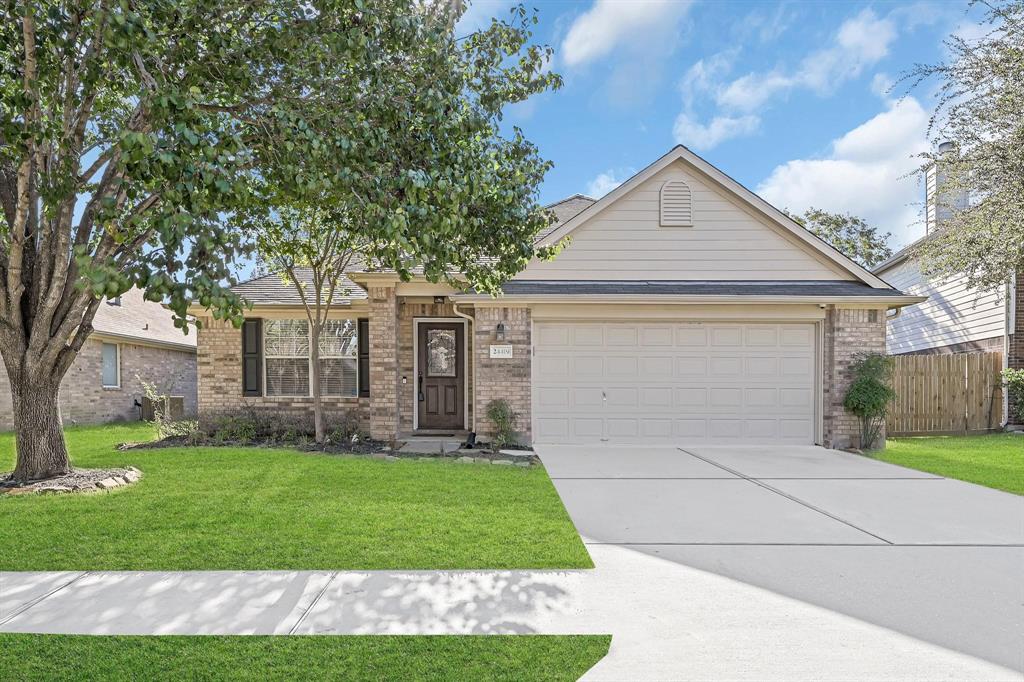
1008, 323
472, 363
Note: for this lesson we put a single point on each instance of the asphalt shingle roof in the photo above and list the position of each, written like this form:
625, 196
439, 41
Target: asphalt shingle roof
270, 290
565, 210
138, 318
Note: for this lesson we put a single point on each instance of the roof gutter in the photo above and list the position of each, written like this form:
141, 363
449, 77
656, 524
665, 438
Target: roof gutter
656, 299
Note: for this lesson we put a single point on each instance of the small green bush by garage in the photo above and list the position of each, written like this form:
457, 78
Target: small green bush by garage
445, 659
235, 508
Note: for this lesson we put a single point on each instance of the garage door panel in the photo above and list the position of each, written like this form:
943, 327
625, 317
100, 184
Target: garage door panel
584, 367
725, 366
687, 366
685, 381
621, 366
585, 335
587, 396
688, 336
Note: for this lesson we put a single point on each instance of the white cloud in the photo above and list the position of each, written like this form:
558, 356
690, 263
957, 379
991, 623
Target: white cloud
609, 23
607, 181
860, 42
865, 174
702, 136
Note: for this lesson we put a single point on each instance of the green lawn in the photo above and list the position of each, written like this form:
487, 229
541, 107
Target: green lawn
995, 460
512, 658
253, 508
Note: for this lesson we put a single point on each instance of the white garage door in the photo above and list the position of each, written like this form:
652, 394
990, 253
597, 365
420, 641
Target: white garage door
673, 382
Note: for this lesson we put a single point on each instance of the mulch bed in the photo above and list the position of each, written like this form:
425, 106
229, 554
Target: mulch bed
77, 481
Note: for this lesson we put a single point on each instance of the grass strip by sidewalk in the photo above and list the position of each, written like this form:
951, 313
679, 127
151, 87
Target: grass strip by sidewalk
995, 460
402, 658
248, 508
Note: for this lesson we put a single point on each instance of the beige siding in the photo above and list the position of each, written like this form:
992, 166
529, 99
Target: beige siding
726, 241
952, 314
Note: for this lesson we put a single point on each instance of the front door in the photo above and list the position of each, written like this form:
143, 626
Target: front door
441, 375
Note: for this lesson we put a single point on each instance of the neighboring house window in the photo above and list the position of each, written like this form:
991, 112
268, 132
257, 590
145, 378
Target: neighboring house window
287, 364
111, 366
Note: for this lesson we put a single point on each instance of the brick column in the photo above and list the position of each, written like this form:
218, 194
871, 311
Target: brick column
847, 333
503, 378
1015, 356
219, 369
383, 362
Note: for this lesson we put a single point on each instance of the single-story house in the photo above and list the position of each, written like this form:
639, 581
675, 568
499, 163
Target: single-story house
685, 309
135, 340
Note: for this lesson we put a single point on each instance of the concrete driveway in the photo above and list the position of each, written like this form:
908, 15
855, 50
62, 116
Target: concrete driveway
936, 559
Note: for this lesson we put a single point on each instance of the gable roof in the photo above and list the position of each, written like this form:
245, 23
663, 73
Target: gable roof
565, 210
784, 222
898, 257
270, 290
144, 321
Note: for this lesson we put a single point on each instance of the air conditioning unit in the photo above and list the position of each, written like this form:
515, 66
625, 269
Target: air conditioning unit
172, 406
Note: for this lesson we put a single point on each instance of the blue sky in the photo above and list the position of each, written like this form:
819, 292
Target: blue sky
791, 98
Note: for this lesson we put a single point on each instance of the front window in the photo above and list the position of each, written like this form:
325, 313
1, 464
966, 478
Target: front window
287, 361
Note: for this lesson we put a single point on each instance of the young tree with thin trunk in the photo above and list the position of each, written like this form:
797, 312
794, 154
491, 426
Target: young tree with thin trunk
138, 139
311, 249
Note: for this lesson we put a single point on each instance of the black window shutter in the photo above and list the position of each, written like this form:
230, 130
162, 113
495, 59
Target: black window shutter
363, 340
252, 357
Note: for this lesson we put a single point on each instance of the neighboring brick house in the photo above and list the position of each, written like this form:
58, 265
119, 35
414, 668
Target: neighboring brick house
685, 309
134, 341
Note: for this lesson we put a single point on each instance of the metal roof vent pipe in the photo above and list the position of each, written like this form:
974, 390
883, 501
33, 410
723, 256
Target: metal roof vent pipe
940, 200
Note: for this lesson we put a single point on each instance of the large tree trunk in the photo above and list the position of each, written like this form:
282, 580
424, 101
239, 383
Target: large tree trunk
39, 435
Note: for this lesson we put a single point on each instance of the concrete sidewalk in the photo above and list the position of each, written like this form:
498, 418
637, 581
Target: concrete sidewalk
668, 621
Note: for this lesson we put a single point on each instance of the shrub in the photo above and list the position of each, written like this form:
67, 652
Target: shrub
346, 429
234, 429
1014, 380
165, 426
504, 419
869, 394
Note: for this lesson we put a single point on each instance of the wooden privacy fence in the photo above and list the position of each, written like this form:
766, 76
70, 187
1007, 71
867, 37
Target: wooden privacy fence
950, 394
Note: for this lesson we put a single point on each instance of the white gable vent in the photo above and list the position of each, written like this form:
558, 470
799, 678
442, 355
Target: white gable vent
676, 204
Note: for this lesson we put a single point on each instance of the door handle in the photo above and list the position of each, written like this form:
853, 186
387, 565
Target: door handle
419, 390
604, 396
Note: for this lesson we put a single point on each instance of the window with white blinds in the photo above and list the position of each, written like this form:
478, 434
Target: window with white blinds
287, 364
339, 358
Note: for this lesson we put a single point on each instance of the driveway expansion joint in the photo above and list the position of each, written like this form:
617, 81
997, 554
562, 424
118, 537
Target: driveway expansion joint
38, 600
792, 498
312, 604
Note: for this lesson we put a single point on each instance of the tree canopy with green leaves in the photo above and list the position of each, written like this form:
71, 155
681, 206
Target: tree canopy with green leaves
142, 141
848, 233
980, 110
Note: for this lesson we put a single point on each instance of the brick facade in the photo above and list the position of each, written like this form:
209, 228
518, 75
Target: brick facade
220, 384
1015, 356
84, 399
383, 362
847, 333
388, 412
508, 379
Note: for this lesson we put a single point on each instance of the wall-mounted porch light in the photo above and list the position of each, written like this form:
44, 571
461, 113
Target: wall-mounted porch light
499, 331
